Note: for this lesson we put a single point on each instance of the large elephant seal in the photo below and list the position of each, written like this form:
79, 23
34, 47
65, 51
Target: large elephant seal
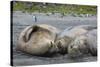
38, 39
67, 36
84, 44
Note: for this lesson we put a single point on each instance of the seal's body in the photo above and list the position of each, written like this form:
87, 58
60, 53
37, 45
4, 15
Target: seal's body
76, 31
37, 39
68, 35
92, 42
84, 44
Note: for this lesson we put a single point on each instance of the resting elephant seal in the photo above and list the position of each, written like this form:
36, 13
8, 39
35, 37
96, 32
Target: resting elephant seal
38, 39
67, 36
84, 44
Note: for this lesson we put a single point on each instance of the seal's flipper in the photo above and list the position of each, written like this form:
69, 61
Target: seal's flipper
29, 32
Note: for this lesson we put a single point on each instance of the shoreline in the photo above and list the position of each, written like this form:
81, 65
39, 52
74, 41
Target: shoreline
56, 14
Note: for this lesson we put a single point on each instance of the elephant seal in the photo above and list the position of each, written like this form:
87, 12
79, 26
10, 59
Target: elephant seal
38, 39
84, 44
67, 36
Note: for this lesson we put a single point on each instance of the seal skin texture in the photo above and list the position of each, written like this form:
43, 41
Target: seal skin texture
92, 41
78, 47
38, 39
84, 44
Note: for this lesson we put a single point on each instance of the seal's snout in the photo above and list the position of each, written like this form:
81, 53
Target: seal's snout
74, 52
53, 47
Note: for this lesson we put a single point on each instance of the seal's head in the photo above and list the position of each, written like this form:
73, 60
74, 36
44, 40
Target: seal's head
78, 47
62, 44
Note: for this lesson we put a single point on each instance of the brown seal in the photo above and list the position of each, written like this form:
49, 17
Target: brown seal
38, 39
84, 44
68, 35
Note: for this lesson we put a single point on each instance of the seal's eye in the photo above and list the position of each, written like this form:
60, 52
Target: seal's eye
71, 46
